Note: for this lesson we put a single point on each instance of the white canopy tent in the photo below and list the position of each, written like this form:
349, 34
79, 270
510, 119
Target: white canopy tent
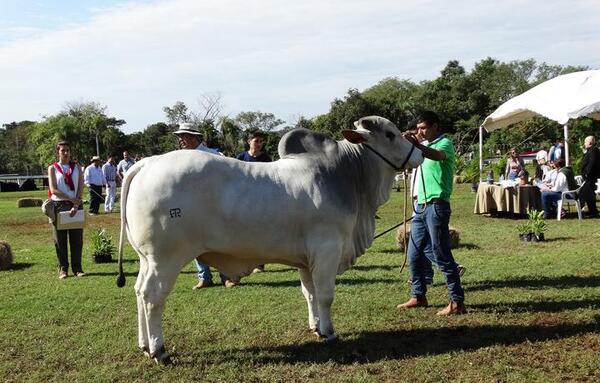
562, 98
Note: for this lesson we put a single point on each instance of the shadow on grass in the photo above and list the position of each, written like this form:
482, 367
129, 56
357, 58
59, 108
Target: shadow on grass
343, 281
370, 347
565, 281
110, 273
20, 266
393, 250
468, 246
557, 239
532, 307
375, 267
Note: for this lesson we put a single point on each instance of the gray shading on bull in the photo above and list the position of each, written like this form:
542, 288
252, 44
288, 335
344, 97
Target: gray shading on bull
314, 209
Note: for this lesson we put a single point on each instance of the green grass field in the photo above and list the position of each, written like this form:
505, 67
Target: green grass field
533, 313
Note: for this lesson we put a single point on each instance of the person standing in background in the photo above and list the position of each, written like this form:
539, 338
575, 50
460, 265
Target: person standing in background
94, 180
124, 165
256, 142
189, 137
110, 174
590, 170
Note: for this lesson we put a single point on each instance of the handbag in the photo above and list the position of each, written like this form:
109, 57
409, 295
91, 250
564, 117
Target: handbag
49, 210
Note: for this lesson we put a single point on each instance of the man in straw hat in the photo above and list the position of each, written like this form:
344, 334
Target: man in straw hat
189, 137
94, 179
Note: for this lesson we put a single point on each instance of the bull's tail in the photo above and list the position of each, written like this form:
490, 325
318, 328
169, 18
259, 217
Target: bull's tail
124, 191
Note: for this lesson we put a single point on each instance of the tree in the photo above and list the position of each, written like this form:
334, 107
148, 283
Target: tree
15, 149
257, 121
87, 128
231, 137
177, 114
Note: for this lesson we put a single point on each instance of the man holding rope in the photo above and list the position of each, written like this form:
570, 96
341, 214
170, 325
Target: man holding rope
429, 234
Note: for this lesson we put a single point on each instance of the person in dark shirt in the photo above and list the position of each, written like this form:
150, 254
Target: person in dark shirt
256, 142
590, 170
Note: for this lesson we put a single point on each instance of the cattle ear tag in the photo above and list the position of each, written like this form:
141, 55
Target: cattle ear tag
353, 136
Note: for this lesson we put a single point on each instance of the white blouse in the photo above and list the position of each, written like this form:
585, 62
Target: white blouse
62, 185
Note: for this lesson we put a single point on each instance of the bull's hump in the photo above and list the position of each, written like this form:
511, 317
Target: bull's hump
305, 141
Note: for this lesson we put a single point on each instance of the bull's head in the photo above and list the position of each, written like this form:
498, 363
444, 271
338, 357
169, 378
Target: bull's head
386, 140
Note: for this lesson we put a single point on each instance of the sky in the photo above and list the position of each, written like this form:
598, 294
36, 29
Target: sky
290, 58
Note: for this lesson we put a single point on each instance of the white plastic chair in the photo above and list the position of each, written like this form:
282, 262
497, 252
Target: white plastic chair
597, 191
568, 197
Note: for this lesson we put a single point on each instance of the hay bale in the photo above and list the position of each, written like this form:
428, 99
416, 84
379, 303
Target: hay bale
6, 257
401, 240
29, 202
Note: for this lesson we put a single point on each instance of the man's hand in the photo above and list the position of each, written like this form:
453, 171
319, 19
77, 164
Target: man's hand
73, 211
411, 138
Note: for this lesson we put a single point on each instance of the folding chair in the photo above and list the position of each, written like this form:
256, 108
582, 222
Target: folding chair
568, 197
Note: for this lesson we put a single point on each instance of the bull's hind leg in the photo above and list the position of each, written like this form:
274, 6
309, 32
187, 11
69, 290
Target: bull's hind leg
156, 286
308, 290
143, 341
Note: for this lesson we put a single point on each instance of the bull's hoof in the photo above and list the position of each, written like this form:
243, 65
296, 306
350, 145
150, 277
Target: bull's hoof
161, 357
328, 339
145, 350
315, 331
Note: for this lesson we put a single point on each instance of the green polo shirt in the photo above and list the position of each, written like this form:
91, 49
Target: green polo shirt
438, 175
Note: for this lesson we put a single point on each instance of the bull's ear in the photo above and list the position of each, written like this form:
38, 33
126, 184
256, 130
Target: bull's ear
353, 136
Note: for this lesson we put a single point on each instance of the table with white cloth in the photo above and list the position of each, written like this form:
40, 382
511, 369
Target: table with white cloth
516, 199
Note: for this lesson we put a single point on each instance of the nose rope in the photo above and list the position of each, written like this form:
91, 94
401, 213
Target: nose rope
412, 149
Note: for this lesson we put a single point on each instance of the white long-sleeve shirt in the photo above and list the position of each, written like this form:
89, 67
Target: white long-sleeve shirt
560, 184
94, 176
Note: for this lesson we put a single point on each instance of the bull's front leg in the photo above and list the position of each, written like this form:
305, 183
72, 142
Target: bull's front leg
325, 261
308, 290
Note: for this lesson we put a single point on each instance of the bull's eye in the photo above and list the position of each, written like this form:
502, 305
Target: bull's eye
390, 136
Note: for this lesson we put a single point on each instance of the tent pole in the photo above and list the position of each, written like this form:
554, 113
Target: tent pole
566, 134
480, 153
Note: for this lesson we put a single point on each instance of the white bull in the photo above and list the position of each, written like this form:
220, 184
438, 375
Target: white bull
313, 209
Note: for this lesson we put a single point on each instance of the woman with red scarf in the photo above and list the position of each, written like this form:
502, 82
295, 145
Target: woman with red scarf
66, 185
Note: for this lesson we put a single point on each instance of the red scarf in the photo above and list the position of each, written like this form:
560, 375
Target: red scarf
67, 175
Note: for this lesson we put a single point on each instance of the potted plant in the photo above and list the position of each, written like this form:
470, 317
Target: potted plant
534, 228
538, 225
525, 233
103, 247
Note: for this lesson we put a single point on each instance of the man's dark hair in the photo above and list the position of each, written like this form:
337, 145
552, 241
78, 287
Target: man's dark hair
428, 117
560, 162
412, 124
257, 134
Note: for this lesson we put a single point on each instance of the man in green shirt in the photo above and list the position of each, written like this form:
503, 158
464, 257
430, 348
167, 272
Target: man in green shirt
429, 234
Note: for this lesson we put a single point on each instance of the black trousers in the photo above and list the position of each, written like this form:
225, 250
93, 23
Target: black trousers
587, 195
63, 239
95, 198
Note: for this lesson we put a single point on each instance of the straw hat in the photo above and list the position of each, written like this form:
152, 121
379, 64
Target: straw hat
188, 128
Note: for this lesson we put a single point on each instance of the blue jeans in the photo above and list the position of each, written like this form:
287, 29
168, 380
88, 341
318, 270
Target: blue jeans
427, 262
204, 273
430, 243
549, 200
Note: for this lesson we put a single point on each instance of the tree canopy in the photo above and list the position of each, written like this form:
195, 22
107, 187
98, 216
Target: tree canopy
461, 98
